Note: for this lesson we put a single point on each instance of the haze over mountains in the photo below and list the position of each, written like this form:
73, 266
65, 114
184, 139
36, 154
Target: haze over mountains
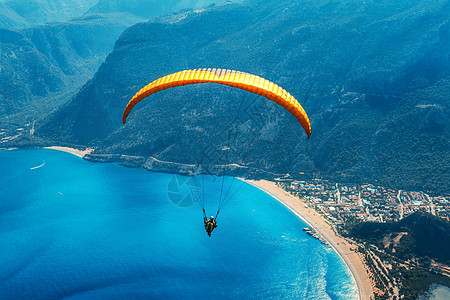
147, 9
374, 77
19, 14
42, 66
50, 49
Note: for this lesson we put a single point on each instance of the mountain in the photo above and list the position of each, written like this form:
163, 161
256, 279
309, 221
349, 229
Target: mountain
20, 14
373, 77
41, 65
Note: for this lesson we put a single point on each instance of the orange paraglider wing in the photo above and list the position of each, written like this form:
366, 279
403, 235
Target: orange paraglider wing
240, 80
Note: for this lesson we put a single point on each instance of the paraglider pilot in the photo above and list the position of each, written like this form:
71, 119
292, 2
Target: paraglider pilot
209, 224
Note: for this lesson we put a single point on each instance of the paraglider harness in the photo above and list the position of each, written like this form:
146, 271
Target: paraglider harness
210, 224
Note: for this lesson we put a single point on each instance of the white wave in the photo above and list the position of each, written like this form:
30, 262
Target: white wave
37, 167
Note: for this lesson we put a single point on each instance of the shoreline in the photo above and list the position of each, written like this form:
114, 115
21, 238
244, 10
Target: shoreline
342, 246
77, 152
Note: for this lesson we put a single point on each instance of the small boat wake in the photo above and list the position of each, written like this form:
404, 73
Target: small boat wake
37, 167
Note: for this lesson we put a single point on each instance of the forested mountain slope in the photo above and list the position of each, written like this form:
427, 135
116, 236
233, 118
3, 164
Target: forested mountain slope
373, 77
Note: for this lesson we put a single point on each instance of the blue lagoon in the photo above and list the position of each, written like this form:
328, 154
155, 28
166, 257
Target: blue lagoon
75, 229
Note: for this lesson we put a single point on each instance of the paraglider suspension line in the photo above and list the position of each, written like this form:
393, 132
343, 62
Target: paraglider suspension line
222, 199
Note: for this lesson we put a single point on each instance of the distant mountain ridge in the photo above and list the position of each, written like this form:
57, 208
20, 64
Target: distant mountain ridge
45, 62
373, 77
147, 9
41, 64
20, 14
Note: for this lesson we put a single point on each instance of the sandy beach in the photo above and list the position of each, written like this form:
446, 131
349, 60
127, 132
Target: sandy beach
310, 216
76, 152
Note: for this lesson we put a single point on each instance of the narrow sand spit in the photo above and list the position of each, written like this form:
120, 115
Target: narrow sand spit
77, 152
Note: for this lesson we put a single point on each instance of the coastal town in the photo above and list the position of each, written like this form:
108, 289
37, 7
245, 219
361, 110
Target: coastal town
366, 202
338, 203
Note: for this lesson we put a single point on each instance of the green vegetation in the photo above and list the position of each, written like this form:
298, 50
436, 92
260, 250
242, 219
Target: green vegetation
378, 103
427, 236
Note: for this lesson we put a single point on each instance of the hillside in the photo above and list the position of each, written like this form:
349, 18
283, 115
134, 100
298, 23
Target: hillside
372, 76
414, 249
42, 65
423, 235
46, 62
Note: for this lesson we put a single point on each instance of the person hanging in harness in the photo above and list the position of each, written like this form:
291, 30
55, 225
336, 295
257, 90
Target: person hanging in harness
209, 224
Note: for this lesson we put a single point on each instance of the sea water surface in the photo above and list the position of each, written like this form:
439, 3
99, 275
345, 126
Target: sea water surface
79, 230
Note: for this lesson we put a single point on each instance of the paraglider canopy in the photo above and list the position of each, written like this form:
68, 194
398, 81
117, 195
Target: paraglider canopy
243, 81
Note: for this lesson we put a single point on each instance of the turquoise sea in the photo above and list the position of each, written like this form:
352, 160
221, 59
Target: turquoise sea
74, 229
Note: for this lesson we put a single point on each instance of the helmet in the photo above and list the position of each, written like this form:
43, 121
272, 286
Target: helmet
212, 218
